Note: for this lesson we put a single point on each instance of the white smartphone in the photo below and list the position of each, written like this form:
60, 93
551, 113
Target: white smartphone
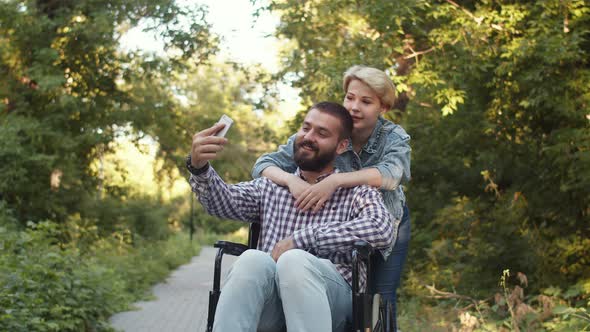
227, 121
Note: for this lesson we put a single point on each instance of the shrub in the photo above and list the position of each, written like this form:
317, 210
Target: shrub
512, 308
50, 285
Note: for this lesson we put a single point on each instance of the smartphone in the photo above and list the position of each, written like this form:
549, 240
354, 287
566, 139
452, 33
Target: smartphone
227, 121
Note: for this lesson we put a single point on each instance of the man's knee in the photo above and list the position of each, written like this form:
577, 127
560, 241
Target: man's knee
253, 265
295, 266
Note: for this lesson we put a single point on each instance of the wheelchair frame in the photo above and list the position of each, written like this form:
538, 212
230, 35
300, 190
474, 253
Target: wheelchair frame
362, 308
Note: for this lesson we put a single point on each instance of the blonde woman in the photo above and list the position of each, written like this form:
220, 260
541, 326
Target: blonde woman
379, 156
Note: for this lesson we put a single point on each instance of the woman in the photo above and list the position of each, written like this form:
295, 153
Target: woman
379, 156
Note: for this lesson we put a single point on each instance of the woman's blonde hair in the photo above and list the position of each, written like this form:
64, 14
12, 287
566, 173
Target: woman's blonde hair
376, 79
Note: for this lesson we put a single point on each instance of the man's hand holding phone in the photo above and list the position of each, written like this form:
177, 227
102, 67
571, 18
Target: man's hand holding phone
207, 143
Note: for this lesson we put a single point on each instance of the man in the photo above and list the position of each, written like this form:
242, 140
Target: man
300, 275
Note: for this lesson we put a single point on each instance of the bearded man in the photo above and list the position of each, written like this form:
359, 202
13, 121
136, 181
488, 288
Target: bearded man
300, 275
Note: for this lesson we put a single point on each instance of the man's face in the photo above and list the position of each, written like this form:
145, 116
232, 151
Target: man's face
318, 141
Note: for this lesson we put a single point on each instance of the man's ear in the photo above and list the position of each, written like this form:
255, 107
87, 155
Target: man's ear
342, 146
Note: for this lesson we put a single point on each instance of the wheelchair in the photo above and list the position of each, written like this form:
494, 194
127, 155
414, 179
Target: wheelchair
370, 313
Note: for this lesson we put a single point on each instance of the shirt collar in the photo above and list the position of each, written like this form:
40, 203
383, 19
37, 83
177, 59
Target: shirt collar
320, 178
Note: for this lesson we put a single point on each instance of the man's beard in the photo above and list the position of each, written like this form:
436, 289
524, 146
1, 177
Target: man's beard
317, 162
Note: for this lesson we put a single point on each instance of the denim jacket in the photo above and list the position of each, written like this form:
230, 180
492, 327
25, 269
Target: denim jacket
387, 149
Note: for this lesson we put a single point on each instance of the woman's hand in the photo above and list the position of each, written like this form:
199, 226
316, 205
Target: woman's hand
296, 185
316, 195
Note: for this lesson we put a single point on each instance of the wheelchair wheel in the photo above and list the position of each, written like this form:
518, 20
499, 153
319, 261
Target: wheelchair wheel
383, 320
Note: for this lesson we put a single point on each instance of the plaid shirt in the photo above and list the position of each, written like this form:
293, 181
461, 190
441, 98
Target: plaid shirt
351, 214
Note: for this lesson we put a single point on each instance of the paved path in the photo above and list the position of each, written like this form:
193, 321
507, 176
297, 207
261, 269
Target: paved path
181, 301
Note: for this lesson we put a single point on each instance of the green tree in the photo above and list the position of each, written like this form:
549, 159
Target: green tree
495, 97
62, 96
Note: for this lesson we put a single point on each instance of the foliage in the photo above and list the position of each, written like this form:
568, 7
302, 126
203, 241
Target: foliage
207, 223
495, 97
205, 93
511, 308
239, 236
145, 217
69, 95
50, 285
62, 92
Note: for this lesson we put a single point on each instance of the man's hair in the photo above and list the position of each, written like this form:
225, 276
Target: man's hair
376, 79
339, 112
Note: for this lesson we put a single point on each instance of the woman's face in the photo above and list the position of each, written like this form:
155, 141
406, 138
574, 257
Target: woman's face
364, 105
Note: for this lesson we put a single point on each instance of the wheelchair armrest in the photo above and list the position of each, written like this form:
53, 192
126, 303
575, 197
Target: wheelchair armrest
225, 247
363, 249
231, 248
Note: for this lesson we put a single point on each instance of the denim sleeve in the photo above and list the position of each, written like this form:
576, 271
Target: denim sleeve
282, 158
394, 164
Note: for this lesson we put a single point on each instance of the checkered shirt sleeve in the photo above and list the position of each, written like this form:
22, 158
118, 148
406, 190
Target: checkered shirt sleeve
369, 221
239, 201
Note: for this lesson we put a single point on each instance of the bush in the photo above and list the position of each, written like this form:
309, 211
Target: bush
511, 308
143, 216
211, 224
46, 288
7, 220
50, 285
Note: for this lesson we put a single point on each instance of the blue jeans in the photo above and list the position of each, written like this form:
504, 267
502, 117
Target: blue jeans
388, 272
300, 292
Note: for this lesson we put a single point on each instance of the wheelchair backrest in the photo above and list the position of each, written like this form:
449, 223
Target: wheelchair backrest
253, 234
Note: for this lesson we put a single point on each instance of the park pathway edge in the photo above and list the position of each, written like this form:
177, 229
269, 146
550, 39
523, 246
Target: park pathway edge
180, 302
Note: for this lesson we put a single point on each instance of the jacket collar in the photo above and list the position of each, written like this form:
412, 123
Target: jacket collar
371, 145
